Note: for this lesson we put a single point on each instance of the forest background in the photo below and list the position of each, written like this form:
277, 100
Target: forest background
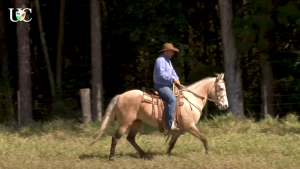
55, 59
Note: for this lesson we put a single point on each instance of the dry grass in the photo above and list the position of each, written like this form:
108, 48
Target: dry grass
233, 144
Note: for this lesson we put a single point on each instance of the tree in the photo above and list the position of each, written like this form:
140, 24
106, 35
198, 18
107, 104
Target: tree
231, 60
25, 106
44, 47
268, 28
264, 42
96, 58
60, 40
6, 92
3, 40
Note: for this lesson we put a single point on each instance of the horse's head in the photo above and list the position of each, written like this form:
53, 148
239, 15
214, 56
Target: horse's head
218, 92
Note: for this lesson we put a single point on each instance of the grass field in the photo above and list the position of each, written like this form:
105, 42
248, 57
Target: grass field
233, 144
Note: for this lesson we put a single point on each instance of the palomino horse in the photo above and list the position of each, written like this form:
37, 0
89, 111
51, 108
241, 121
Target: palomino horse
130, 111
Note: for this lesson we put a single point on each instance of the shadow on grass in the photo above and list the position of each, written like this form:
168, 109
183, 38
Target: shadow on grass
149, 155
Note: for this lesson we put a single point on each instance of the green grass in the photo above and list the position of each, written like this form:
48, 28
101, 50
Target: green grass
233, 144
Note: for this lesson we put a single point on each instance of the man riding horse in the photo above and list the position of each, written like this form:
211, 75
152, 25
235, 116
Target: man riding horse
131, 108
164, 76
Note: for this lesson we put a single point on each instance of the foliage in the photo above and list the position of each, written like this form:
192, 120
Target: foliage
134, 31
270, 26
146, 26
203, 71
7, 105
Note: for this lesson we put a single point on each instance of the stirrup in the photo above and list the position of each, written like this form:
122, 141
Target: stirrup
174, 126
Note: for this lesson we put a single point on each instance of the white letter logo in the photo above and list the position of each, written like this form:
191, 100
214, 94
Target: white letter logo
20, 14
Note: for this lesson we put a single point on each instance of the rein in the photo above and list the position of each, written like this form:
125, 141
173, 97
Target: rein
184, 88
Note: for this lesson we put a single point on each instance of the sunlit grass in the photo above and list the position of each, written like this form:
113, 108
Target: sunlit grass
233, 144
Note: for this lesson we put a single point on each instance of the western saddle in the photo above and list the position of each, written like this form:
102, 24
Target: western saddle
152, 97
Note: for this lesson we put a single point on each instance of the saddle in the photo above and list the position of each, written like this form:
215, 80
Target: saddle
152, 97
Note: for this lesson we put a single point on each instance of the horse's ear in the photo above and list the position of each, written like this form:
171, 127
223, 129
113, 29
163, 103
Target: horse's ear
218, 77
222, 76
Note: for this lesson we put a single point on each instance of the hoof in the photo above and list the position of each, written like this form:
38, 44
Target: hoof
111, 159
146, 156
143, 156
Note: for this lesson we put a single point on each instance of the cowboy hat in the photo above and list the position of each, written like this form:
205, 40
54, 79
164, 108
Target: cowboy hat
168, 46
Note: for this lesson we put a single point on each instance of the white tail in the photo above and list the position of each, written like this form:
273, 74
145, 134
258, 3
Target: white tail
109, 115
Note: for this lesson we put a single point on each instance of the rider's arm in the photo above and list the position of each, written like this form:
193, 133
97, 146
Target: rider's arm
161, 68
174, 74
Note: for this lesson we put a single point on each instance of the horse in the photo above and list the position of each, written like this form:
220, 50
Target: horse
130, 112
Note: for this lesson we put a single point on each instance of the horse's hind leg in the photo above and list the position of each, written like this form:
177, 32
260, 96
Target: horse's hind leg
119, 133
172, 142
134, 129
194, 131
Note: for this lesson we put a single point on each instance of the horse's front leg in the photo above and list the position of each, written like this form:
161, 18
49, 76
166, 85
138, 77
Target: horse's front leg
194, 131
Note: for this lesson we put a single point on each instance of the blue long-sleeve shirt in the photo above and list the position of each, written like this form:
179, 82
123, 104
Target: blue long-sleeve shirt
164, 73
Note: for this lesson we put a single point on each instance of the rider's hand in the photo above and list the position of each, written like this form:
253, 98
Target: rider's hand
176, 81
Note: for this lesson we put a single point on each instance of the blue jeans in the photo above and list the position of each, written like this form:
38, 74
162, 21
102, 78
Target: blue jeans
167, 95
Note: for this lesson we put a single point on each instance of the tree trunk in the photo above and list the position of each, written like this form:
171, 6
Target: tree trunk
266, 85
96, 58
44, 47
46, 96
25, 106
267, 91
4, 61
231, 60
218, 54
60, 41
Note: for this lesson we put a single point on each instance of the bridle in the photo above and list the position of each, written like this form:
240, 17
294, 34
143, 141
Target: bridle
219, 98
